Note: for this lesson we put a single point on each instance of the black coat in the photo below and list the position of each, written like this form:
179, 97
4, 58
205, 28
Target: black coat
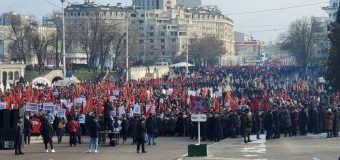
28, 127
94, 129
151, 125
140, 129
107, 110
268, 121
46, 131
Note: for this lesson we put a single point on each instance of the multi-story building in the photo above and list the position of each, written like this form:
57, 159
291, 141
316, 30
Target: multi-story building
250, 50
154, 4
158, 29
190, 3
332, 9
10, 18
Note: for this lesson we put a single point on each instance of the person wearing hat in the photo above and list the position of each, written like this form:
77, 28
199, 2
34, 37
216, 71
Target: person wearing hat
18, 137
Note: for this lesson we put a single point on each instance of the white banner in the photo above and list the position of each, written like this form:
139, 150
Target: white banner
49, 107
2, 105
116, 92
121, 110
153, 109
61, 113
170, 91
136, 109
218, 94
191, 93
33, 107
78, 102
114, 113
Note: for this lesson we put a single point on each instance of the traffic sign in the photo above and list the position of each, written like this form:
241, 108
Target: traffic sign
199, 118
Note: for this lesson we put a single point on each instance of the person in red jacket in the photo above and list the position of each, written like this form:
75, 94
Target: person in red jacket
73, 128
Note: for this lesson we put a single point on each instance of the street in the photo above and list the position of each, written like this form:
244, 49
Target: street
171, 148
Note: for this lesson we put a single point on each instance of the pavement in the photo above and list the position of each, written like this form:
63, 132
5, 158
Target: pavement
310, 147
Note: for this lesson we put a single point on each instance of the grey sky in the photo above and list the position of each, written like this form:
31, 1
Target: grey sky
264, 26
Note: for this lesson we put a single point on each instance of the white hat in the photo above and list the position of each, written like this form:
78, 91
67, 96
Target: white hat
329, 110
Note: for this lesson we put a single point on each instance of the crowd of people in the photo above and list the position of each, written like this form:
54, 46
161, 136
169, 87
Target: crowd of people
239, 101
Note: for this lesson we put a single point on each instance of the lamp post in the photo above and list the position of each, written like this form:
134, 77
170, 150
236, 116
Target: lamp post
127, 45
187, 59
64, 54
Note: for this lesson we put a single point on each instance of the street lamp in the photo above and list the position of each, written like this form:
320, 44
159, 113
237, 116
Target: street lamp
127, 45
64, 54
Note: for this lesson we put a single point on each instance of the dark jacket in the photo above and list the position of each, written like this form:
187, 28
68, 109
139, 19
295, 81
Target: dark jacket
28, 127
19, 130
140, 128
151, 125
94, 129
46, 130
107, 110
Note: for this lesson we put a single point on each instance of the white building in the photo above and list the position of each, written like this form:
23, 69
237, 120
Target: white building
154, 4
332, 9
190, 3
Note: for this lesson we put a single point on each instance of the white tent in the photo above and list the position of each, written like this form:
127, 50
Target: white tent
181, 64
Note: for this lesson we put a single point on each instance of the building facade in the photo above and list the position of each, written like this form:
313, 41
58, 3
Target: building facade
250, 50
190, 3
332, 9
158, 29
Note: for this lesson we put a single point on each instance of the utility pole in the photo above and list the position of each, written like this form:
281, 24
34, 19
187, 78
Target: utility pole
187, 65
64, 54
127, 45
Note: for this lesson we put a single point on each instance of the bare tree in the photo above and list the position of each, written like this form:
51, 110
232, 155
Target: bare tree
20, 45
40, 43
300, 39
206, 50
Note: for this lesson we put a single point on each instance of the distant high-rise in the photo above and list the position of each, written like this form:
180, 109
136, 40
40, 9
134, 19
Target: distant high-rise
190, 3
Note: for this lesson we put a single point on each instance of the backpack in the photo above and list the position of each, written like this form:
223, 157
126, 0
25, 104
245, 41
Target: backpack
60, 125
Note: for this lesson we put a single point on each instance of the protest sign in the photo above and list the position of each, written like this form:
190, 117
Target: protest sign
61, 113
49, 107
191, 93
121, 110
2, 105
136, 109
115, 92
112, 98
170, 91
33, 107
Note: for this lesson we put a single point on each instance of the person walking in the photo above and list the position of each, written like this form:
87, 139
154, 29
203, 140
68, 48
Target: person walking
329, 123
18, 138
73, 128
140, 137
258, 122
94, 129
246, 125
47, 134
28, 127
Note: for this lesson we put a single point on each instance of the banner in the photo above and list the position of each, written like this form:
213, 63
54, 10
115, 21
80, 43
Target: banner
121, 110
33, 107
79, 102
169, 91
61, 113
49, 107
2, 105
218, 94
116, 92
163, 91
152, 110
191, 93
136, 109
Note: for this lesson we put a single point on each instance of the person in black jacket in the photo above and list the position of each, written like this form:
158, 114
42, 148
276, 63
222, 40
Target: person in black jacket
303, 119
46, 131
28, 127
140, 136
125, 129
107, 115
94, 129
151, 127
268, 124
18, 138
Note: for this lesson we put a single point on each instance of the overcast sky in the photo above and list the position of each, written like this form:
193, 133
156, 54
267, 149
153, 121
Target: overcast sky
263, 26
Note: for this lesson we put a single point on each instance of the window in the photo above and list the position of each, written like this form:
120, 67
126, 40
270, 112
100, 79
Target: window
16, 75
141, 41
151, 34
151, 40
162, 40
142, 15
173, 40
162, 34
83, 14
162, 47
10, 75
